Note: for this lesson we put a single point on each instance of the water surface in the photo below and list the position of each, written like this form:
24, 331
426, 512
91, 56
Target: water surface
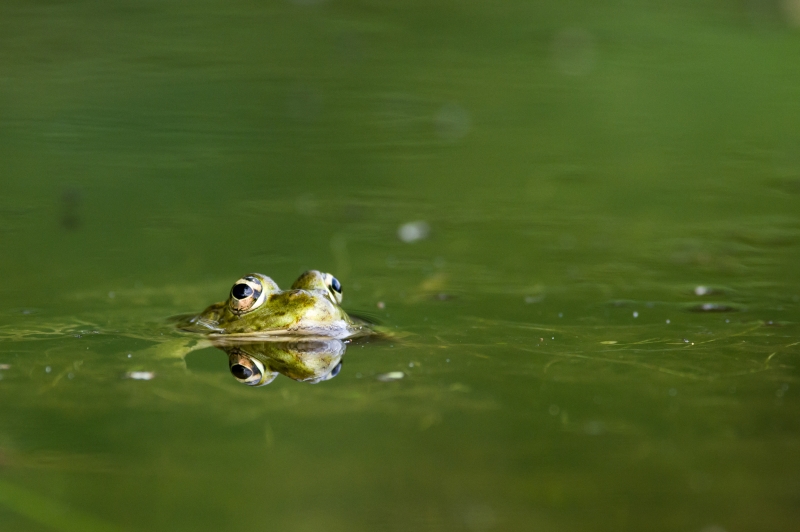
598, 331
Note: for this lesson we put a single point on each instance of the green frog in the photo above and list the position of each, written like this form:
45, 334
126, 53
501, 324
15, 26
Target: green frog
257, 307
301, 332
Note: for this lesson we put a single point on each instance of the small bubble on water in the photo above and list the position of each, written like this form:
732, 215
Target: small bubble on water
685, 341
413, 231
70, 376
381, 305
727, 321
129, 355
553, 338
47, 369
410, 364
668, 322
635, 314
111, 295
553, 410
358, 375
448, 360
701, 290
140, 375
391, 376
672, 392
560, 314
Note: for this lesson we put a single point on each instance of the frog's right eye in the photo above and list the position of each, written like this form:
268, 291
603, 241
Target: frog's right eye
334, 287
247, 294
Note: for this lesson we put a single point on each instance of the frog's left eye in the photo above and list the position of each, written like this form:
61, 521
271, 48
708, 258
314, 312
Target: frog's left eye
334, 287
246, 295
249, 370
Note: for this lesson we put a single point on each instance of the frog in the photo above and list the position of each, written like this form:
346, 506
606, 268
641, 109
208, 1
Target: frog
301, 332
257, 307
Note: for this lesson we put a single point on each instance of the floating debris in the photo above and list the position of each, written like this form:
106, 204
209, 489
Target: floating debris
140, 375
413, 231
5, 366
391, 376
381, 305
712, 307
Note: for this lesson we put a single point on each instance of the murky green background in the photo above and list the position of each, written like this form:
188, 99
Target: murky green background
592, 174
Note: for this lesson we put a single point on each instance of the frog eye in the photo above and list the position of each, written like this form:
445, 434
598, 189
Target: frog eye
247, 294
334, 287
249, 370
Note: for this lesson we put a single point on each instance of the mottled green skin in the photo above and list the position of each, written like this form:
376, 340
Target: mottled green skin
308, 308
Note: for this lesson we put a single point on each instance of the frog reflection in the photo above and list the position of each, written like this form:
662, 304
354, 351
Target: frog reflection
259, 363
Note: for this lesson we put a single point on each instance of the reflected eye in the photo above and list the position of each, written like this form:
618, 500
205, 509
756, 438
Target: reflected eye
335, 371
246, 295
246, 369
240, 372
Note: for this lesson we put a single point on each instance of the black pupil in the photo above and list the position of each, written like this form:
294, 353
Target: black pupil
336, 285
241, 291
241, 372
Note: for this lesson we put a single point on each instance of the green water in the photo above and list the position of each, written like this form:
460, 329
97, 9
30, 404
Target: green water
592, 174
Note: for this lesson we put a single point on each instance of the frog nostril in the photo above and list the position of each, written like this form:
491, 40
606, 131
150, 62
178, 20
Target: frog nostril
241, 291
241, 372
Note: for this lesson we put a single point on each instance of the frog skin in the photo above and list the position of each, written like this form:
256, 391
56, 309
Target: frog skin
256, 306
258, 363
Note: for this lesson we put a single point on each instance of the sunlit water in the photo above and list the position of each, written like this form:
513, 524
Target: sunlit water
582, 225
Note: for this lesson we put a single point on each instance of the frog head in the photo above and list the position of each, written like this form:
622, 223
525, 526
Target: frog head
257, 306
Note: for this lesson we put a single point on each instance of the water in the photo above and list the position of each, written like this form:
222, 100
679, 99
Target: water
581, 221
